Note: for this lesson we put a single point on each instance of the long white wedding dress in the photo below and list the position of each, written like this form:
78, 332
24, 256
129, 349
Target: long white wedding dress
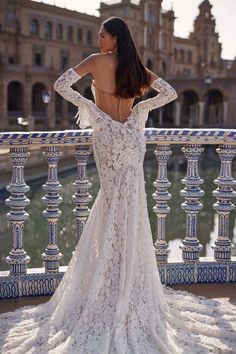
111, 300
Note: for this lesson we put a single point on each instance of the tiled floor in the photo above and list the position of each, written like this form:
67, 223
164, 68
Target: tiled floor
220, 292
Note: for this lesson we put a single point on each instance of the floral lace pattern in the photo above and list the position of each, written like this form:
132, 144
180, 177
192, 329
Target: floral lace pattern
111, 300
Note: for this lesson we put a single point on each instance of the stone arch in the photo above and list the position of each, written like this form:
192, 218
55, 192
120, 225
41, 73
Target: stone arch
214, 108
15, 99
168, 114
189, 115
38, 106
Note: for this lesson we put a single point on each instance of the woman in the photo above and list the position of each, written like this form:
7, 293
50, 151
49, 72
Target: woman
110, 299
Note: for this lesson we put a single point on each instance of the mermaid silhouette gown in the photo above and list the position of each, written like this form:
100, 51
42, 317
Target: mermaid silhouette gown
111, 300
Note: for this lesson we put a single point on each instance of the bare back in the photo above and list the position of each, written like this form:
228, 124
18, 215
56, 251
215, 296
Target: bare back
104, 88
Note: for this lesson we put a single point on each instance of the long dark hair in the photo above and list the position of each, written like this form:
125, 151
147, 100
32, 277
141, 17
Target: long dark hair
131, 77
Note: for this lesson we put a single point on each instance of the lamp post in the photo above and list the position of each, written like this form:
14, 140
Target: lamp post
208, 82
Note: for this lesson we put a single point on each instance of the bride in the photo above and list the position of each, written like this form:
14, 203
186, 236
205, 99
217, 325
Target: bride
111, 300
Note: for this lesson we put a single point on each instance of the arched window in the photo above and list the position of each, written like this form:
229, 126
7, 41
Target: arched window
48, 29
182, 55
70, 34
80, 36
59, 32
89, 37
35, 27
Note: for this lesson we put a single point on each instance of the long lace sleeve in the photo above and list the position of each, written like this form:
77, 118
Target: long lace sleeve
166, 94
63, 87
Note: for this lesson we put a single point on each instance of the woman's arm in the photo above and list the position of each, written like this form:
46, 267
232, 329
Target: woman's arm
72, 75
63, 87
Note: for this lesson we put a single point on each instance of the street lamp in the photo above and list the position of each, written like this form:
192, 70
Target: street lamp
46, 96
208, 82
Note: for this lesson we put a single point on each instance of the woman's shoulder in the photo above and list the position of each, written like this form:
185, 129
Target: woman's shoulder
103, 57
100, 56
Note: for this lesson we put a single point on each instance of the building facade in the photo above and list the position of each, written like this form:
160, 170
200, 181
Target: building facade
39, 41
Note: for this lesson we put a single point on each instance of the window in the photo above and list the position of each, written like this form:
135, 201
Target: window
59, 32
89, 37
70, 34
80, 36
38, 55
48, 29
34, 27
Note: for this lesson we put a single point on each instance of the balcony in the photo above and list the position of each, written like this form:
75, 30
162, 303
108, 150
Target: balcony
191, 270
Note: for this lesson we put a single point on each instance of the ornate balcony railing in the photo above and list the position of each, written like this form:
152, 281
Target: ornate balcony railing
20, 281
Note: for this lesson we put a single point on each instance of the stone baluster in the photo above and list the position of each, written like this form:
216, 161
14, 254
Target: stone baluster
17, 201
161, 196
52, 199
81, 198
191, 246
223, 246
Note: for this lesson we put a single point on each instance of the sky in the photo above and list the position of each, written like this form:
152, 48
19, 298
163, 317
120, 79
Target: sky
224, 12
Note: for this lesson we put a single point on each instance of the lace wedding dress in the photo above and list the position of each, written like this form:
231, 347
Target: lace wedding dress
111, 300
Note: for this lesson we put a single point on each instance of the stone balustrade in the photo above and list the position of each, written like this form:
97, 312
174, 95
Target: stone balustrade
23, 281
